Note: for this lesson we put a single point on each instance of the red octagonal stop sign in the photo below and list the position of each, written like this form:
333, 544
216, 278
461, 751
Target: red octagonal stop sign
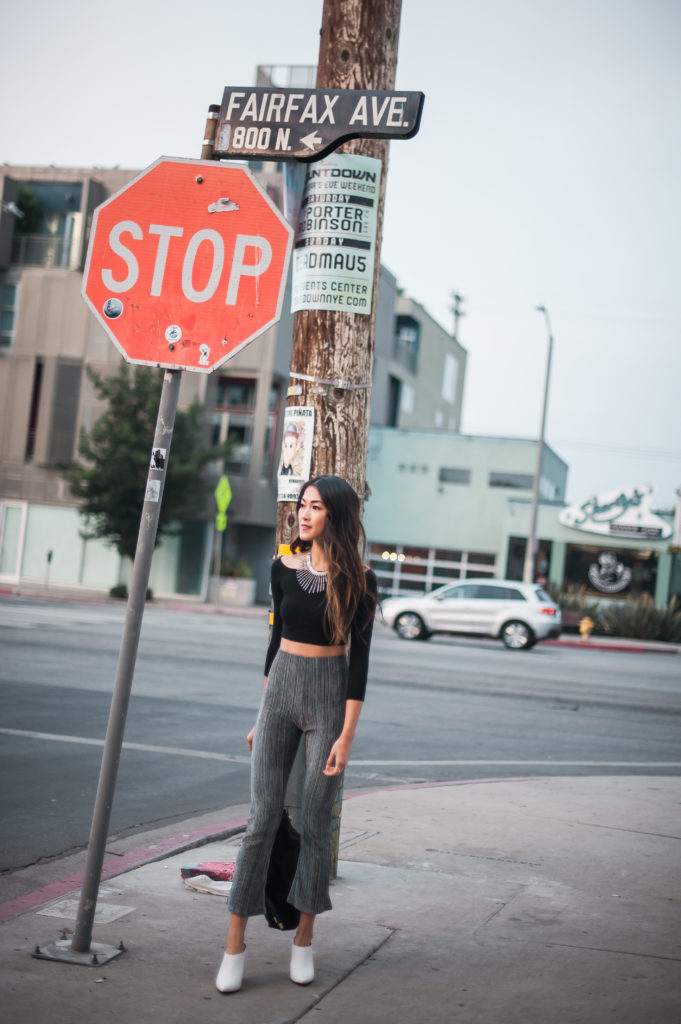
187, 264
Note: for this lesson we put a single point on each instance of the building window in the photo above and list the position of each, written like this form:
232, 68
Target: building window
407, 342
394, 398
240, 440
481, 558
8, 310
616, 572
515, 561
407, 402
236, 393
521, 481
547, 489
64, 412
450, 378
45, 234
271, 431
451, 475
237, 430
233, 421
402, 570
34, 410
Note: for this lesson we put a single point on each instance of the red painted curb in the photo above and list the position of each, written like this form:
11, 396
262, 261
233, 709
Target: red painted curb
118, 866
185, 841
591, 645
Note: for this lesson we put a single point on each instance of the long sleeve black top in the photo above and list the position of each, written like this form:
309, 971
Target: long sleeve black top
299, 616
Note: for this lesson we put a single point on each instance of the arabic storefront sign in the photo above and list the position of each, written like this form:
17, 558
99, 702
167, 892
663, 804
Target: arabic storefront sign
335, 245
623, 513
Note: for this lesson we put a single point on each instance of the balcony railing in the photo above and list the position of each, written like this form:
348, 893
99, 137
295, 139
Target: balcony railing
39, 251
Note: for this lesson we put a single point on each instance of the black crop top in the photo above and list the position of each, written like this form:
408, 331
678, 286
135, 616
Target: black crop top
299, 616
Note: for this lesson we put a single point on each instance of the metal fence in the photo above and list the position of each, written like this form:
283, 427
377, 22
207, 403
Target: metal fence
39, 251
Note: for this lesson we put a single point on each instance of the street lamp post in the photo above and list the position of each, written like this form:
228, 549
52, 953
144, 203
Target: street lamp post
531, 549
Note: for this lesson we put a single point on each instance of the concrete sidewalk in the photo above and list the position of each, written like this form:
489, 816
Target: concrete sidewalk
493, 902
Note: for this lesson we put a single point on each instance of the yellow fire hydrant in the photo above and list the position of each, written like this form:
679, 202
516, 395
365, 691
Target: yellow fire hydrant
585, 628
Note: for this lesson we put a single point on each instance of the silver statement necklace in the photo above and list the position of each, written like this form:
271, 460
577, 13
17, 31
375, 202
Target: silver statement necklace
311, 580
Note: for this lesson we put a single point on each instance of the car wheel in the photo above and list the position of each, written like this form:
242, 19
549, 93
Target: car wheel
517, 635
410, 626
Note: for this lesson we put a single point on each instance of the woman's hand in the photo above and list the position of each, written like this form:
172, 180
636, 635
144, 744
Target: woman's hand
249, 739
339, 756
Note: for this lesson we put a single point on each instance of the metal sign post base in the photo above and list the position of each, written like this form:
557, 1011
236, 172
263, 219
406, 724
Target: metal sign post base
99, 953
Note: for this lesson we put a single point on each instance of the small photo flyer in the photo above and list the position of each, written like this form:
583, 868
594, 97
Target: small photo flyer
296, 452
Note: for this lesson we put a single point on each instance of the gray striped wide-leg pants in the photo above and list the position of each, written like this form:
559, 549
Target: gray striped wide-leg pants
303, 696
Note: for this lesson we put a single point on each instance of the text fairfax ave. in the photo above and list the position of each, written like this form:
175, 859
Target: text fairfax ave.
315, 109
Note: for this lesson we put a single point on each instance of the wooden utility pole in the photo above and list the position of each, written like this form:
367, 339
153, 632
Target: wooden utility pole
333, 352
358, 50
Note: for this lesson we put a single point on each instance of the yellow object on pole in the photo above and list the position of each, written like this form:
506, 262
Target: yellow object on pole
223, 496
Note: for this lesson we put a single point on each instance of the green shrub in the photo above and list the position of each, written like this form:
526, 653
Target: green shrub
237, 567
121, 591
639, 618
633, 617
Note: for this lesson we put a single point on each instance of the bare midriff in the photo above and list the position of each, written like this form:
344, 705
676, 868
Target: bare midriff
311, 650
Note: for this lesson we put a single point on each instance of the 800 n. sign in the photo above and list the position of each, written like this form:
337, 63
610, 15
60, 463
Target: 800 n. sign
306, 124
187, 264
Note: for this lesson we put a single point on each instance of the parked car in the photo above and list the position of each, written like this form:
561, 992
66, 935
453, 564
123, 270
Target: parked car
518, 613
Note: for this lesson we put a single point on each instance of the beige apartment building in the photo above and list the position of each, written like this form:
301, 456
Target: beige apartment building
48, 337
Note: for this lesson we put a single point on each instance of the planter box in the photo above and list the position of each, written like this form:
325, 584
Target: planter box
231, 591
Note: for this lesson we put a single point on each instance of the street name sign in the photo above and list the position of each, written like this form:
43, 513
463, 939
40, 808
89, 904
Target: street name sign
187, 264
266, 123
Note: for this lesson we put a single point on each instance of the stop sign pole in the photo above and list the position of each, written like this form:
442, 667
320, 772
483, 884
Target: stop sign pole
180, 299
82, 950
81, 945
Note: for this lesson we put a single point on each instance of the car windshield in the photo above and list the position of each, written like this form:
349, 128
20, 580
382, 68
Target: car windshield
542, 595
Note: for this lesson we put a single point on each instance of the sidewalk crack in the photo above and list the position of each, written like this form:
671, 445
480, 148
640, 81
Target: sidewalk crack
619, 952
339, 981
503, 904
632, 831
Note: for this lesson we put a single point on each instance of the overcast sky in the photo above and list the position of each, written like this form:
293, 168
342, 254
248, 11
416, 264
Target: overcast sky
547, 171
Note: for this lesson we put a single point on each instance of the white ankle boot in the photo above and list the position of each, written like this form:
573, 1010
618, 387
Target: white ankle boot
302, 964
231, 972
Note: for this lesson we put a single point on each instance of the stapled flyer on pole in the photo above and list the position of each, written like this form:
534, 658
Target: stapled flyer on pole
335, 242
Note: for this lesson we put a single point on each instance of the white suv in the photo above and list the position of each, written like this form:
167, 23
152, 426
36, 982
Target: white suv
519, 613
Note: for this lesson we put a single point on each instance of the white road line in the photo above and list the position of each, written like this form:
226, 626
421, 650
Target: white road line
563, 764
147, 747
245, 759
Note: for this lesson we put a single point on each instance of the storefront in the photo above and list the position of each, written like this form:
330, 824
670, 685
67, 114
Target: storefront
447, 507
612, 545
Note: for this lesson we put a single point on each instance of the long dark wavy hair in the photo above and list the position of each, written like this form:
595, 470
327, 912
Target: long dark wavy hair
344, 546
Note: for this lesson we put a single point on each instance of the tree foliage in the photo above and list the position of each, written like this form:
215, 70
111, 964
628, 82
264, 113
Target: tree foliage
29, 203
111, 473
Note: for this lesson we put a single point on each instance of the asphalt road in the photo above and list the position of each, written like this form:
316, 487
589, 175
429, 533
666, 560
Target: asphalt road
446, 709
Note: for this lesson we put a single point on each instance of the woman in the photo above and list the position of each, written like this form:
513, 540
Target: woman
323, 596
